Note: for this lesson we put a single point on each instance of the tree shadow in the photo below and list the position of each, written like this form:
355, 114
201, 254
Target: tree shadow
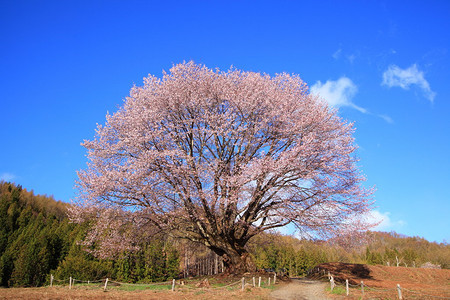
342, 271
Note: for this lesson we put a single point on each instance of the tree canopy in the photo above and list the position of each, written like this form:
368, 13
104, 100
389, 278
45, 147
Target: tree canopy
219, 157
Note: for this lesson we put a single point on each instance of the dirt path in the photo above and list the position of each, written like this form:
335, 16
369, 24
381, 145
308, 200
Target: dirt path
301, 289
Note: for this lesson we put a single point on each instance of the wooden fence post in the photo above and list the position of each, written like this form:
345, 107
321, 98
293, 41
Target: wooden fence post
173, 285
269, 281
243, 283
346, 286
362, 288
106, 284
259, 281
275, 278
70, 282
254, 281
332, 283
51, 280
399, 289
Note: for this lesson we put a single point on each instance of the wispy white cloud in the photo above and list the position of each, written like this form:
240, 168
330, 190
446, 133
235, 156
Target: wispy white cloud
386, 223
386, 118
351, 58
404, 78
337, 54
7, 177
337, 93
340, 93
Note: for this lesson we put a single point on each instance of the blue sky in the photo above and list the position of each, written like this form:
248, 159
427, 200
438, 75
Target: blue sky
384, 64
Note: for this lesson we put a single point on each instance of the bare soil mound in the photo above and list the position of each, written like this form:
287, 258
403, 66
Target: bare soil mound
417, 283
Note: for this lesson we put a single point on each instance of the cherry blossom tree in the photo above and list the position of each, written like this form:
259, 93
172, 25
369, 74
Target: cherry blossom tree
219, 157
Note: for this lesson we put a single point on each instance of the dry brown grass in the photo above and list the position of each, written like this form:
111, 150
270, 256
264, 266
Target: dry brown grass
416, 283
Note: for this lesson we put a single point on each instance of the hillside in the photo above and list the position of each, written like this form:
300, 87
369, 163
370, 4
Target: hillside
381, 281
34, 236
37, 238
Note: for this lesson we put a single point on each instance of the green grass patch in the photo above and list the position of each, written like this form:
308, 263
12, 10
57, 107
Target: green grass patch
270, 287
338, 290
140, 287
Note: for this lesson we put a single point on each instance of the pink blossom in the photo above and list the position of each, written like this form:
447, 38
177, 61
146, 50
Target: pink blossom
218, 157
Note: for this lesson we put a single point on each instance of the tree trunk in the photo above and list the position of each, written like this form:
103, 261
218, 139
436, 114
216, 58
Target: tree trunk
236, 260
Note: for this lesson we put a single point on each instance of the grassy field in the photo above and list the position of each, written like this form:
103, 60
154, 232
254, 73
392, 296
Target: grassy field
217, 288
380, 283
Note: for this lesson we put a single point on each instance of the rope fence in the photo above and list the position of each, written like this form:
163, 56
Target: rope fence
254, 282
398, 290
